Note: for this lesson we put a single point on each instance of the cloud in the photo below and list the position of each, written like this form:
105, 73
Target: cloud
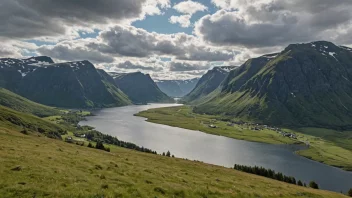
40, 18
15, 49
263, 23
183, 20
184, 66
189, 7
135, 42
73, 51
137, 66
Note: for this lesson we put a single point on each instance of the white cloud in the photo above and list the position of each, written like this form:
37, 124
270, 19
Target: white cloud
183, 20
263, 23
189, 7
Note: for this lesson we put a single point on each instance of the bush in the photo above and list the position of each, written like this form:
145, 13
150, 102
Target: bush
90, 145
24, 131
350, 192
314, 185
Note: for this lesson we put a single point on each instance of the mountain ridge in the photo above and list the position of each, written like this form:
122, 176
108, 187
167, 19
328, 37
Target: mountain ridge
139, 87
76, 84
304, 85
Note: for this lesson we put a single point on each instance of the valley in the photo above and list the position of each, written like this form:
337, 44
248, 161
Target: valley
175, 99
256, 114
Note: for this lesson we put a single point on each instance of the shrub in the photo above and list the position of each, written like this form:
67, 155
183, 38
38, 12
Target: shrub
90, 145
314, 185
350, 192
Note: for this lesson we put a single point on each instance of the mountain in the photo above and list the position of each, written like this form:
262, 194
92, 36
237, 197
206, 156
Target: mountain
21, 104
72, 84
177, 88
208, 83
140, 88
304, 85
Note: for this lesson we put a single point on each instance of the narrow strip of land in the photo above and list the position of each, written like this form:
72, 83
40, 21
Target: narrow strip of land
326, 146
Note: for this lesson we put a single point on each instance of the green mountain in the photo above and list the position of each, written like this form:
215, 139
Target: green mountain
177, 88
304, 85
71, 85
140, 88
207, 84
21, 104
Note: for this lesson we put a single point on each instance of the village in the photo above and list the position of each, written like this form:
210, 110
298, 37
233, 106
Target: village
257, 127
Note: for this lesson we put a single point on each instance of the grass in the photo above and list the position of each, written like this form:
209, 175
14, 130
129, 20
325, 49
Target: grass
42, 167
327, 146
21, 104
29, 123
182, 116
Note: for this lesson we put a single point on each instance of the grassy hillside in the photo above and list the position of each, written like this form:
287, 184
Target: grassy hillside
327, 146
42, 167
21, 104
28, 123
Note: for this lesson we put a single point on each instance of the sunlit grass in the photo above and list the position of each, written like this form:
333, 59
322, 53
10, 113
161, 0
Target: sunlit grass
53, 168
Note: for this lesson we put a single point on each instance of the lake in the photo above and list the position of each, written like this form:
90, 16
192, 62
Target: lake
213, 149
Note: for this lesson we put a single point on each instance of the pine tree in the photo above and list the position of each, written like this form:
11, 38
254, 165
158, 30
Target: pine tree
299, 183
168, 154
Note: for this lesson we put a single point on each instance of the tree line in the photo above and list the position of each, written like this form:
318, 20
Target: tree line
97, 136
261, 171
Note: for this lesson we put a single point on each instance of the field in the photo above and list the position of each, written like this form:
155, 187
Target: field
326, 146
182, 116
36, 166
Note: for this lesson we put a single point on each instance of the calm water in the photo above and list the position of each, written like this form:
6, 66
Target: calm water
223, 151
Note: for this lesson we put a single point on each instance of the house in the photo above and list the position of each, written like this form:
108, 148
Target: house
69, 139
212, 126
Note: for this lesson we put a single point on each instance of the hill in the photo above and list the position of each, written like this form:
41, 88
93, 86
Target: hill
42, 167
21, 104
207, 83
72, 84
177, 88
304, 85
140, 88
28, 123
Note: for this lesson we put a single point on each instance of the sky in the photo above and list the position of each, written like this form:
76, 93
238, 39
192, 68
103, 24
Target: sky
168, 39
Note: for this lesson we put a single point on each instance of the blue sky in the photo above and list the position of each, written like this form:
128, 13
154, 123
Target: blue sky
161, 24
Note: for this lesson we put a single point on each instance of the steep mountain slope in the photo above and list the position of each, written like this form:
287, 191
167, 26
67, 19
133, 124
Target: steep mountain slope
72, 84
21, 104
177, 88
140, 88
208, 83
304, 85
